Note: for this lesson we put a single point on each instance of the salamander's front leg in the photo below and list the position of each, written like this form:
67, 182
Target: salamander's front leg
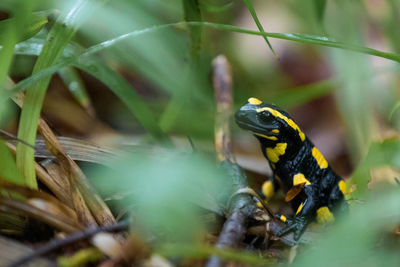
304, 214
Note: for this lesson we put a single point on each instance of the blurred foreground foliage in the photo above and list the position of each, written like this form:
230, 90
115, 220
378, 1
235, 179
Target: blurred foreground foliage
155, 56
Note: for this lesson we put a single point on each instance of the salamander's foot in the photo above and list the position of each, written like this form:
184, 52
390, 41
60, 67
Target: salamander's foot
297, 225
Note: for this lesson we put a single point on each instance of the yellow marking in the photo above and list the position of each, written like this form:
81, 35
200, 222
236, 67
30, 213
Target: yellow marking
254, 101
286, 119
319, 158
343, 187
275, 131
259, 204
293, 192
273, 138
267, 189
274, 153
300, 179
283, 218
324, 215
299, 208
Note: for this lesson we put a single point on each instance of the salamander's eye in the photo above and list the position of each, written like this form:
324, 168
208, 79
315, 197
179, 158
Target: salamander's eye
265, 113
265, 116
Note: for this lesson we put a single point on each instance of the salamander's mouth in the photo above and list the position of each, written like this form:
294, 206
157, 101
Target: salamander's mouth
246, 124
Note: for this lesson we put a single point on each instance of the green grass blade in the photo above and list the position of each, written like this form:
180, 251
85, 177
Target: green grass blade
11, 32
300, 38
303, 94
59, 36
127, 94
192, 12
30, 27
394, 109
253, 13
8, 168
76, 87
319, 6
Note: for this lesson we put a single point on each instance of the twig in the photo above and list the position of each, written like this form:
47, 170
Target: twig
242, 207
251, 192
58, 243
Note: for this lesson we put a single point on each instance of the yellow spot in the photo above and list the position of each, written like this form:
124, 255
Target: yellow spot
274, 153
299, 208
343, 187
300, 179
273, 138
324, 215
259, 204
254, 101
275, 131
283, 218
319, 158
267, 189
290, 122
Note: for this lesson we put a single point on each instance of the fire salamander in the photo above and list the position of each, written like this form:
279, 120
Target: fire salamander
313, 188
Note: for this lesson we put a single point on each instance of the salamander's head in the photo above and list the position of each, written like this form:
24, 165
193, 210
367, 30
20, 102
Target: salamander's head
268, 122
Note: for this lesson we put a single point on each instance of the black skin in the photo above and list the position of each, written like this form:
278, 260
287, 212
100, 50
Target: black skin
324, 189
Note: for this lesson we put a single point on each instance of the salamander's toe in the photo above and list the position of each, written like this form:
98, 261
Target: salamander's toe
297, 225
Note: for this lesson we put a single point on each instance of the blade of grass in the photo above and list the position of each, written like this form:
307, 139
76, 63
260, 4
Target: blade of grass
59, 36
394, 109
8, 168
300, 38
192, 12
319, 6
117, 84
127, 94
216, 7
11, 32
295, 37
253, 13
77, 88
30, 26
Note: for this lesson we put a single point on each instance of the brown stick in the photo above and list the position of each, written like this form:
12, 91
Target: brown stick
242, 207
75, 237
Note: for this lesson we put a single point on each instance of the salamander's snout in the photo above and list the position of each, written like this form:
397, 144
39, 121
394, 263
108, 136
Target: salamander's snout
251, 116
246, 115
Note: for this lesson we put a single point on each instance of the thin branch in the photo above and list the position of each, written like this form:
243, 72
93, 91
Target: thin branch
242, 207
58, 243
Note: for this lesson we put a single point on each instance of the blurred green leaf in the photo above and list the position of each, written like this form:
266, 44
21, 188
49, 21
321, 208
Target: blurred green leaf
183, 251
126, 94
253, 13
192, 12
166, 190
362, 238
385, 153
